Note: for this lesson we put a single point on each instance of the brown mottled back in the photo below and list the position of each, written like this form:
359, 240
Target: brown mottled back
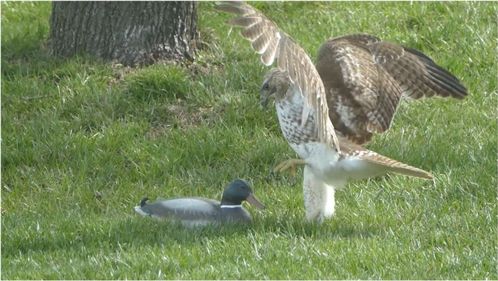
365, 78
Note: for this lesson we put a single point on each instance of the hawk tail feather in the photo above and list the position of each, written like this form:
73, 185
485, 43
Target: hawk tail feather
408, 170
396, 167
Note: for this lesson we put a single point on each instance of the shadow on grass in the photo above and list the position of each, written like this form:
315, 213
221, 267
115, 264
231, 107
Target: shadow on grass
136, 232
328, 230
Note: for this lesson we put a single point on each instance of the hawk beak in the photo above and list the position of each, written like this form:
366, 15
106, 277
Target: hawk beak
254, 201
264, 97
263, 100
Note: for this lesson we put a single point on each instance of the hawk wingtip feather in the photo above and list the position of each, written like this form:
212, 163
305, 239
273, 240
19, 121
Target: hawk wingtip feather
446, 81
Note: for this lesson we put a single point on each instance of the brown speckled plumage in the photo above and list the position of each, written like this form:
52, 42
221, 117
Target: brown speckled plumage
353, 92
368, 77
361, 77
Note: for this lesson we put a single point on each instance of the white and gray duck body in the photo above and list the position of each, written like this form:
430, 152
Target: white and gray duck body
194, 211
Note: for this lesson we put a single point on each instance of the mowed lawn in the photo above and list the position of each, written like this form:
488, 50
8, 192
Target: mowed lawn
83, 141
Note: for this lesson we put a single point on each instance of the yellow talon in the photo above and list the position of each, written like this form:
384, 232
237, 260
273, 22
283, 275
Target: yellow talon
288, 164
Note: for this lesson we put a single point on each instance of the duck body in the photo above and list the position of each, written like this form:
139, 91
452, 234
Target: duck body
195, 211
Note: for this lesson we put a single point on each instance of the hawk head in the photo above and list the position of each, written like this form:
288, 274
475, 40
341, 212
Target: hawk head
275, 85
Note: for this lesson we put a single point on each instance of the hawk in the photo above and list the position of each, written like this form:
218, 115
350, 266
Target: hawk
326, 112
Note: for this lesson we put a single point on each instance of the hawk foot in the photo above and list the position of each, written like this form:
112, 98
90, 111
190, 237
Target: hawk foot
288, 164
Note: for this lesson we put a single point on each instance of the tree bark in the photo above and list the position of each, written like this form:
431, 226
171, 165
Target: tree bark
130, 32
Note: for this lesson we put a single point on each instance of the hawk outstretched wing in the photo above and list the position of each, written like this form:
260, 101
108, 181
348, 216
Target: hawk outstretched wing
365, 79
361, 77
273, 44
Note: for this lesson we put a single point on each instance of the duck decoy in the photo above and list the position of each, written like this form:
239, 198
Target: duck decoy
194, 211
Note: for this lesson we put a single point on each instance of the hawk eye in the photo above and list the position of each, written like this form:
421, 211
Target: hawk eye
265, 87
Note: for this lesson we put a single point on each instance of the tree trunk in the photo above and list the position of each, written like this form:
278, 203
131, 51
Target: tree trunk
130, 32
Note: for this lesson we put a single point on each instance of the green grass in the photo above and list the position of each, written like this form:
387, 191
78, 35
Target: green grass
72, 128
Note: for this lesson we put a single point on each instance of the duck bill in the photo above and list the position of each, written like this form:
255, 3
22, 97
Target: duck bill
254, 201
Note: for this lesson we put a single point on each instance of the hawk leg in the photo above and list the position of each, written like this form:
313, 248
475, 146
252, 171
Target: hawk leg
288, 164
